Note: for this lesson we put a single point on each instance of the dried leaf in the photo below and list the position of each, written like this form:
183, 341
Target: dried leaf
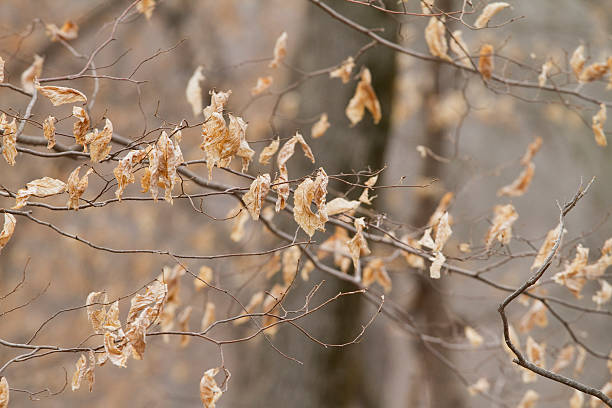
1, 70
593, 72
564, 358
193, 92
573, 276
603, 295
519, 186
49, 131
545, 72
547, 246
9, 139
443, 233
580, 359
505, 216
375, 271
436, 265
364, 98
81, 126
285, 153
413, 260
435, 37
340, 205
112, 323
535, 316
209, 391
306, 193
577, 400
7, 229
319, 128
474, 338
599, 120
459, 47
254, 302
32, 73
488, 12
268, 152
280, 50
79, 373
146, 7
358, 244
577, 61
43, 187
485, 61
344, 71
291, 259
426, 239
263, 83
183, 324
465, 248
480, 387
124, 172
205, 276
529, 399
240, 218
442, 207
60, 95
76, 187
209, 316
68, 31
96, 313
255, 197
531, 151
308, 267
100, 142
536, 353
598, 268
164, 158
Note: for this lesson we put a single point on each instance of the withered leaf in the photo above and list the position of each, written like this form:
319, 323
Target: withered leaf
164, 158
100, 142
31, 73
459, 47
531, 151
599, 120
124, 172
76, 187
209, 316
112, 322
280, 50
358, 244
254, 198
577, 61
268, 152
319, 128
547, 246
254, 302
285, 153
209, 391
344, 71
59, 95
473, 336
68, 31
341, 205
291, 259
306, 193
442, 208
488, 12
43, 187
375, 271
7, 230
308, 267
81, 126
501, 230
205, 276
9, 139
593, 72
435, 37
573, 276
240, 220
603, 295
117, 349
4, 393
96, 312
49, 131
485, 61
364, 98
536, 353
146, 7
193, 92
535, 316
564, 358
545, 72
263, 83
183, 324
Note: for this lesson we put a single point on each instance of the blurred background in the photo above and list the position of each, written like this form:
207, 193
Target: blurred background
479, 133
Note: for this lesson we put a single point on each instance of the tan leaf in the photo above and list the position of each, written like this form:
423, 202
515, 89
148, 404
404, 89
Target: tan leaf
254, 199
268, 152
31, 73
96, 312
435, 37
112, 323
459, 47
426, 240
519, 186
76, 187
535, 316
547, 246
183, 325
344, 71
531, 151
426, 6
573, 276
364, 98
193, 92
263, 83
49, 131
529, 400
100, 142
285, 153
271, 304
488, 12
60, 95
291, 259
413, 260
375, 271
146, 7
485, 61
4, 393
209, 391
436, 265
209, 316
81, 126
238, 226
577, 61
308, 267
577, 400
599, 120
319, 128
340, 205
136, 335
465, 247
7, 229
443, 205
536, 353
501, 230
79, 373
9, 139
358, 244
481, 386
580, 359
146, 308
593, 72
280, 50
124, 172
68, 31
545, 72
1, 70
598, 268
205, 276
43, 187
254, 302
564, 358
117, 349
473, 337
603, 295
443, 233
306, 193
164, 158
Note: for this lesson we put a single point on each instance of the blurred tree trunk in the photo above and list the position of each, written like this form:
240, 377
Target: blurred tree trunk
428, 307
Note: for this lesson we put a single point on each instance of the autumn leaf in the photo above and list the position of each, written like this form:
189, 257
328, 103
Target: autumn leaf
254, 198
547, 246
96, 312
603, 295
442, 208
240, 219
76, 187
7, 230
308, 267
358, 244
531, 151
124, 172
375, 271
545, 72
573, 276
488, 12
473, 337
319, 128
4, 393
183, 325
84, 370
599, 120
9, 139
291, 259
479, 387
100, 142
306, 193
519, 186
593, 72
205, 276
459, 47
501, 230
341, 205
254, 302
164, 158
49, 131
31, 74
577, 61
344, 71
485, 61
146, 7
536, 354
564, 358
59, 95
435, 37
364, 98
209, 316
269, 151
280, 50
209, 391
44, 187
193, 92
535, 316
68, 31
285, 153
263, 83
81, 126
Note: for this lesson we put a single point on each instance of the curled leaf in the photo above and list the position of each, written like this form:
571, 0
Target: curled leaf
9, 139
124, 172
100, 142
488, 12
209, 316
599, 120
435, 37
146, 7
32, 73
306, 193
280, 50
254, 198
532, 149
209, 391
573, 276
375, 271
193, 92
519, 186
577, 61
340, 205
473, 337
364, 98
319, 128
76, 187
459, 47
164, 159
604, 294
564, 358
205, 276
535, 316
344, 71
485, 61
358, 244
505, 216
4, 393
96, 311
285, 153
43, 187
7, 230
49, 131
268, 152
59, 95
263, 83
593, 72
547, 246
545, 72
536, 354
183, 324
81, 126
68, 31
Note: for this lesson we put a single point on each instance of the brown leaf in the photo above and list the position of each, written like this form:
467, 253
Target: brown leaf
375, 271
564, 358
340, 205
519, 186
205, 276
364, 98
164, 158
81, 126
531, 151
100, 142
545, 72
285, 153
209, 391
7, 229
413, 260
488, 12
96, 313
31, 73
306, 269
263, 83
209, 316
268, 152
255, 197
501, 230
60, 95
9, 139
577, 61
280, 50
593, 72
358, 244
306, 193
112, 322
117, 349
124, 172
49, 131
238, 226
573, 276
193, 92
603, 295
599, 120
76, 187
535, 316
183, 324
485, 61
443, 205
68, 31
459, 47
344, 71
291, 259
254, 302
146, 7
43, 187
435, 37
547, 246
319, 128
536, 354
4, 393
